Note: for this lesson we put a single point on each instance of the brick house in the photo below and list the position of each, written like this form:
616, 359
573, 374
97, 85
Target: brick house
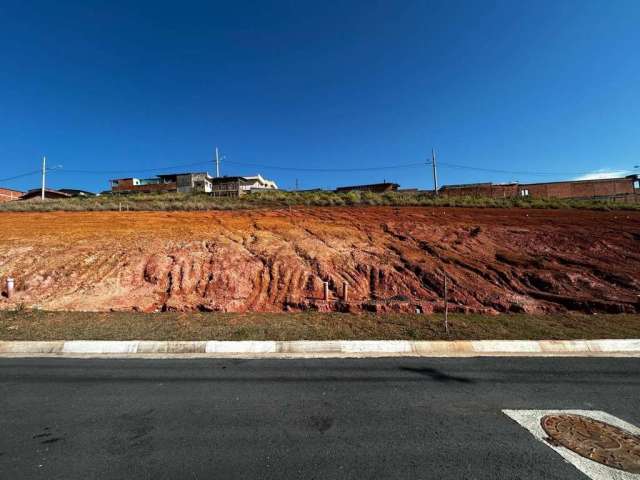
8, 194
49, 193
193, 182
143, 185
238, 186
373, 187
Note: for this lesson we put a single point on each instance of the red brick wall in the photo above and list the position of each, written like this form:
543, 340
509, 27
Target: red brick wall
584, 189
7, 195
128, 186
492, 191
576, 189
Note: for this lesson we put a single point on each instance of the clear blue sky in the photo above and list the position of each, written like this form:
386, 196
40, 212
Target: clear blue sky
540, 86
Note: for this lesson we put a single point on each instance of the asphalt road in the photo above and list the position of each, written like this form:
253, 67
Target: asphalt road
284, 419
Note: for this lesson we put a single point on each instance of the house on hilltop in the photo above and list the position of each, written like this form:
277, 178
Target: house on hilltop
142, 185
49, 193
8, 194
373, 187
74, 192
238, 186
192, 183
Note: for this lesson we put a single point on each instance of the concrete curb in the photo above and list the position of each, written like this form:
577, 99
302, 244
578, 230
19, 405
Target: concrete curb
323, 349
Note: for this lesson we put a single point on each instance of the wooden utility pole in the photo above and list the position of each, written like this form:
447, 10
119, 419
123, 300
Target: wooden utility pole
435, 171
44, 171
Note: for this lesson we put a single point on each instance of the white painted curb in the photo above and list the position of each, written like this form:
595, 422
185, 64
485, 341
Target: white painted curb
328, 348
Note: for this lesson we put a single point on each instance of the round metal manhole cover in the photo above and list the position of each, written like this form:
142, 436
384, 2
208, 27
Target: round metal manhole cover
595, 440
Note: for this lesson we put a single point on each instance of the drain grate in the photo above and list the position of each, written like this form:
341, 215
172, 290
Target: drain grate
595, 440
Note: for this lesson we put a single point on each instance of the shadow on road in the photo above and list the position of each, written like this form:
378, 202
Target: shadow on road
436, 374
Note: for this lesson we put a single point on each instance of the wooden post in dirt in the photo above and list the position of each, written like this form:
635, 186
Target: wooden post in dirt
446, 305
10, 286
345, 292
326, 291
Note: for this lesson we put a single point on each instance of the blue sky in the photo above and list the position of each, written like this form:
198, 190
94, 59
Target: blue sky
127, 87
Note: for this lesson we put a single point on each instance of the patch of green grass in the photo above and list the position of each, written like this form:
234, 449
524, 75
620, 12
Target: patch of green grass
280, 199
42, 325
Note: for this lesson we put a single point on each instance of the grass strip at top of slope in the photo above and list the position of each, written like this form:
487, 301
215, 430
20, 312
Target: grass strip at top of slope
282, 199
41, 325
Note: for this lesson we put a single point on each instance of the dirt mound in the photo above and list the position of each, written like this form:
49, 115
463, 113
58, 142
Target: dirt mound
496, 260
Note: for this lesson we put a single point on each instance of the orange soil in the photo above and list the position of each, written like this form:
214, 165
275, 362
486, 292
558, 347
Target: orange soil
496, 260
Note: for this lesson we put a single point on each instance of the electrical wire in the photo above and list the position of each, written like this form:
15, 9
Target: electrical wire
441, 164
20, 176
298, 169
140, 170
512, 172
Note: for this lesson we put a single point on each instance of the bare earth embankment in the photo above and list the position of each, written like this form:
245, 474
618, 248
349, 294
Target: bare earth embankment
496, 260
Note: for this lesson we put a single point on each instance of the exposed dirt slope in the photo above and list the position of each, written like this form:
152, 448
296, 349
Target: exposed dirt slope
393, 259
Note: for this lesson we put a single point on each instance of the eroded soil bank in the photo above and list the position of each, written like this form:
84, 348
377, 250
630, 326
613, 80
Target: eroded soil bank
393, 259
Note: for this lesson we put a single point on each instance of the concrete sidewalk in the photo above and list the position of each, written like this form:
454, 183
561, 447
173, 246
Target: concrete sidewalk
322, 349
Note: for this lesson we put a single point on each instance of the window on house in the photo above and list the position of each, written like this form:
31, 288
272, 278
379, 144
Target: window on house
636, 184
524, 192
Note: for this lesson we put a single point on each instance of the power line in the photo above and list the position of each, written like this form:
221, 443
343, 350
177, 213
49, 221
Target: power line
298, 169
246, 164
258, 165
513, 172
20, 176
406, 165
140, 170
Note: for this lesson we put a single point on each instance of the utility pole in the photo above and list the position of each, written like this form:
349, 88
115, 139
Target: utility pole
435, 171
44, 171
296, 184
217, 163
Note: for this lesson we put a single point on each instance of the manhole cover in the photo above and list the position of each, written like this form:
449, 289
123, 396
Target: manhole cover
595, 440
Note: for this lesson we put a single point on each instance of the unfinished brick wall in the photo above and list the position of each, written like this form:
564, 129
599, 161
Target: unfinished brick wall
614, 187
6, 194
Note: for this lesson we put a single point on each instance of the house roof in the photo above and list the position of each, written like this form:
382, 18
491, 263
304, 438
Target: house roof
75, 191
466, 185
490, 184
226, 179
591, 180
35, 192
261, 179
369, 185
166, 175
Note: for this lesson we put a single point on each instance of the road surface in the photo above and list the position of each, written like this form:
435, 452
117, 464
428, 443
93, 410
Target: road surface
285, 419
